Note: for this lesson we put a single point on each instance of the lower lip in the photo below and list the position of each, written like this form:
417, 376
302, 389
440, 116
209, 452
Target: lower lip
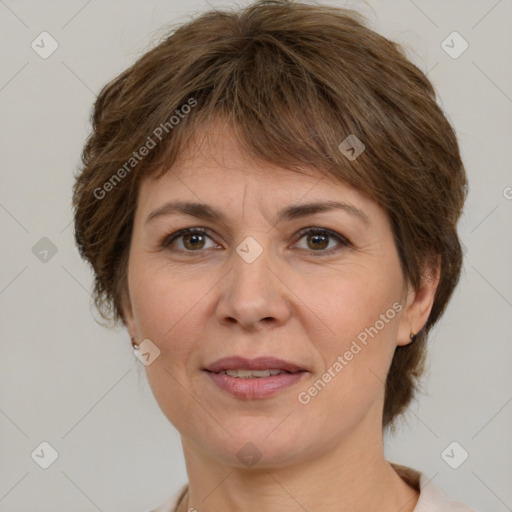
254, 388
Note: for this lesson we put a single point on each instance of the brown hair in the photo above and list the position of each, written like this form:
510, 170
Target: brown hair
294, 80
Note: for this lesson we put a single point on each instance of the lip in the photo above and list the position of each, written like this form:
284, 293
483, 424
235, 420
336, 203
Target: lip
255, 388
259, 363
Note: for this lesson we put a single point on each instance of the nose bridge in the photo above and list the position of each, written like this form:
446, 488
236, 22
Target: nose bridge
255, 252
252, 292
251, 274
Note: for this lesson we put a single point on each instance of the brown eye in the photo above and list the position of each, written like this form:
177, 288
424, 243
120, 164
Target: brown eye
193, 239
318, 240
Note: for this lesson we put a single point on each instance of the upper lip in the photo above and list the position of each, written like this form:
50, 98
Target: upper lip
259, 363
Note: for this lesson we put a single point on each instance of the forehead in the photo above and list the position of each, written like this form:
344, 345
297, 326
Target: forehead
215, 151
214, 159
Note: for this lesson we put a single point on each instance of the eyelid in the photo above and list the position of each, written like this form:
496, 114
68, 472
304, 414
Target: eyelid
168, 239
343, 242
330, 232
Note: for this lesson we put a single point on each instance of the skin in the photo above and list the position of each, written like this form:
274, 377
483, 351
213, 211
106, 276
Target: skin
293, 302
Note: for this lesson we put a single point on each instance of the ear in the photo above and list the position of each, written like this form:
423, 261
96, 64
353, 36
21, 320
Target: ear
129, 320
418, 304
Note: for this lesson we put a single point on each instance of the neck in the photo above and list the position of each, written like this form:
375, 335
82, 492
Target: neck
352, 475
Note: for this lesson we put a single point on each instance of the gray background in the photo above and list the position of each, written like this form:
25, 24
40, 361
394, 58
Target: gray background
67, 381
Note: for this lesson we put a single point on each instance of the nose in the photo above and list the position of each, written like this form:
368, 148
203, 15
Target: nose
253, 295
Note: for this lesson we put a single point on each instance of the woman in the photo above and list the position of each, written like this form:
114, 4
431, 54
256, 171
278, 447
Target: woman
269, 201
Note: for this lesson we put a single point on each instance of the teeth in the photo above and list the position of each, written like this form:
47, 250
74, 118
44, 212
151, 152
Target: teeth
248, 374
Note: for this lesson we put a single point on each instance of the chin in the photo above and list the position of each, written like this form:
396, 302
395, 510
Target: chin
256, 443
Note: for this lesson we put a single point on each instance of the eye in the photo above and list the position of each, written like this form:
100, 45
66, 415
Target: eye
318, 239
193, 239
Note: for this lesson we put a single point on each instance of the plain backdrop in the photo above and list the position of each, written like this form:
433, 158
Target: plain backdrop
75, 385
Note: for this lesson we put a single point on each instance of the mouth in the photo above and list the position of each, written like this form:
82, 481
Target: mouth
252, 374
241, 367
254, 378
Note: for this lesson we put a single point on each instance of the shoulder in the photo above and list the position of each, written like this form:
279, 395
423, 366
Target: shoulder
171, 503
431, 499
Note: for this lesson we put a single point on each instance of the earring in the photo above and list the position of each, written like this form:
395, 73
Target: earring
413, 337
134, 345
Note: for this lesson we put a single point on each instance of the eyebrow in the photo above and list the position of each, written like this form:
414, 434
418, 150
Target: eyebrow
204, 211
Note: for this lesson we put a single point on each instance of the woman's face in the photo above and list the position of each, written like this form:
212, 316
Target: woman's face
257, 285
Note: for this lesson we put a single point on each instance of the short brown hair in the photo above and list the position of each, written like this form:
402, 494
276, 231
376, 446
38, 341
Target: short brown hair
294, 80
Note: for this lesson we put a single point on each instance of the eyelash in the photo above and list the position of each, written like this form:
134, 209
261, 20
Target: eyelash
199, 231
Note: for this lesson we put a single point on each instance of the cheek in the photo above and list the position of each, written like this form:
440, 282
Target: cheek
161, 299
168, 308
360, 313
352, 303
164, 312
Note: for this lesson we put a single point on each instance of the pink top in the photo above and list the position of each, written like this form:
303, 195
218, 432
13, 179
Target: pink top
431, 499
